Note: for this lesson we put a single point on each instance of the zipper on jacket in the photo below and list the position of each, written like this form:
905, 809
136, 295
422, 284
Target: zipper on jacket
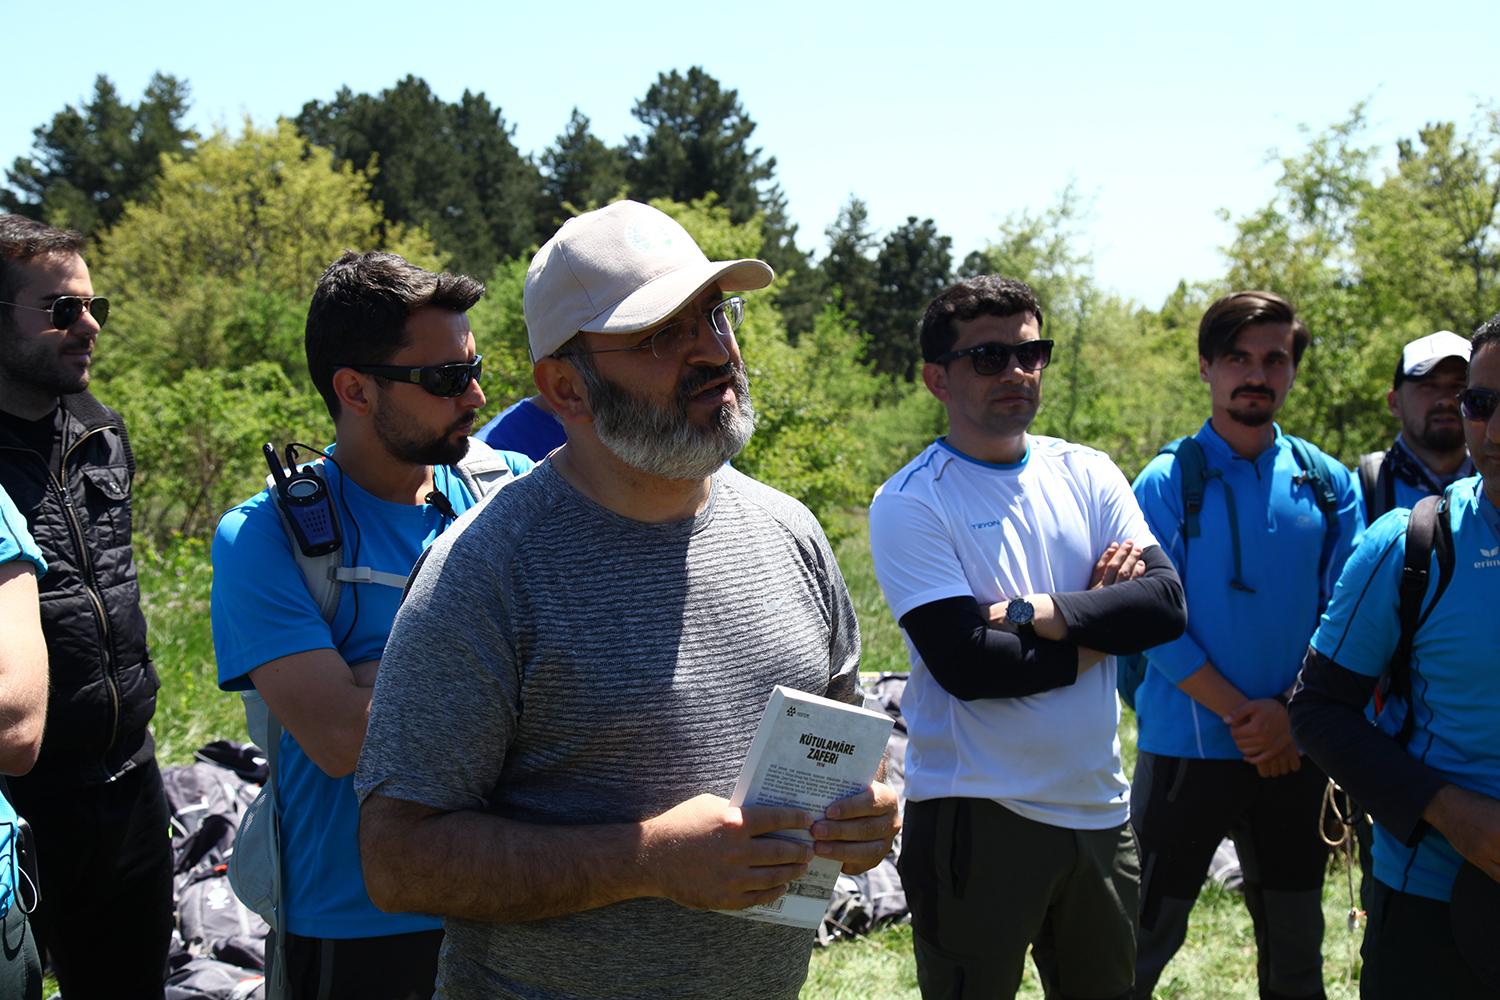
106, 641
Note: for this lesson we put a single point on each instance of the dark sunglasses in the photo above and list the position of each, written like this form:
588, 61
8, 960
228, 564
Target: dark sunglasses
68, 309
440, 380
1478, 404
992, 359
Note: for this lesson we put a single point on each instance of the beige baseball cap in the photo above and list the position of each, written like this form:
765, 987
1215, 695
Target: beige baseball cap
619, 269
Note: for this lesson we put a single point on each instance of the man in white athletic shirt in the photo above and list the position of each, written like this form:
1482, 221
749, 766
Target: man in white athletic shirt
579, 666
1017, 566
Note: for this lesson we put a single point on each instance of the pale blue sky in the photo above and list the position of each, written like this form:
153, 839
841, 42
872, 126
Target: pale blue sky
963, 112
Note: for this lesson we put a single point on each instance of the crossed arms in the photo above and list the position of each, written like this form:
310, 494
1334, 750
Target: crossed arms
1134, 601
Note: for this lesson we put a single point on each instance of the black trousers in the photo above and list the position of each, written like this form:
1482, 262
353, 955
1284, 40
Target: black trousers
1181, 808
104, 864
391, 967
1409, 951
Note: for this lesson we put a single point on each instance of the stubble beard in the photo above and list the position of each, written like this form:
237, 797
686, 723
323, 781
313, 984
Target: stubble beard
664, 441
40, 370
402, 442
1439, 440
1254, 418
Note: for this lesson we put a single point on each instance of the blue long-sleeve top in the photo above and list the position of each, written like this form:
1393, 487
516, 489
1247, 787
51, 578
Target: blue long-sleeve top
1290, 559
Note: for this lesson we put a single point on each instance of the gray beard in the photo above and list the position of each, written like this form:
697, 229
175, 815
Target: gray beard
665, 442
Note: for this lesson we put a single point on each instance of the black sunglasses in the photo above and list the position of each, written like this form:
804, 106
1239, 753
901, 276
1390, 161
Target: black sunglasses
1478, 404
440, 380
68, 309
992, 359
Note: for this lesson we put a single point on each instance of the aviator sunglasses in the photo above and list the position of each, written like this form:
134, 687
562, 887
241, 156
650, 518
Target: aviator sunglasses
992, 359
673, 339
1478, 404
68, 309
439, 380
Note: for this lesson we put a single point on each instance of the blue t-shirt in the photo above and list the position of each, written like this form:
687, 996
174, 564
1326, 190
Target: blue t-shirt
1290, 558
16, 544
1455, 667
262, 610
524, 427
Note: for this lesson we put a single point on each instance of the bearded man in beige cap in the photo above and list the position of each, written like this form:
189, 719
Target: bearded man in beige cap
580, 664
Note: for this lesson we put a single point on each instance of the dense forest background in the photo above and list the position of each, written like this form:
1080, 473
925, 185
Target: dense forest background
209, 245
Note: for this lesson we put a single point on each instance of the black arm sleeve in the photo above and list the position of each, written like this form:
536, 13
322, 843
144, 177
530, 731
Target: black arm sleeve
971, 660
1130, 616
1328, 722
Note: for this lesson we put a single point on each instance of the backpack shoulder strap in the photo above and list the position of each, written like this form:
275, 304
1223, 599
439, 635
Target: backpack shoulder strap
1375, 482
1429, 531
1193, 466
1315, 474
482, 469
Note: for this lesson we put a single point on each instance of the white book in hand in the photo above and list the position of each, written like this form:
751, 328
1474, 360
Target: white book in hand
808, 753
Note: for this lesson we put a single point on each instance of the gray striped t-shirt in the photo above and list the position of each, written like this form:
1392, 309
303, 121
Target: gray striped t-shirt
557, 663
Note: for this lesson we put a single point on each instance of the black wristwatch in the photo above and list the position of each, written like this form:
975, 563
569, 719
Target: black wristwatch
1020, 613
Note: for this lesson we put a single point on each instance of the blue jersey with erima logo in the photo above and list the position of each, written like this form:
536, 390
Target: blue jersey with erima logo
1290, 558
1455, 666
16, 544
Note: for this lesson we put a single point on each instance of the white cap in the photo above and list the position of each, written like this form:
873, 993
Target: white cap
620, 269
1422, 356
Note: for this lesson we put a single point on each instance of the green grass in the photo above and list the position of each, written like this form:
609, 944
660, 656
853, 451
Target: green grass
1217, 960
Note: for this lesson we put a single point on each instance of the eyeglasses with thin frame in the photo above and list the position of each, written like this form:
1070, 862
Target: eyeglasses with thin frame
446, 381
672, 340
994, 358
66, 310
1478, 404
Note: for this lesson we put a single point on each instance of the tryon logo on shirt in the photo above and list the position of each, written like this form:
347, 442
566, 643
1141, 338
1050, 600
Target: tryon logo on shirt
986, 524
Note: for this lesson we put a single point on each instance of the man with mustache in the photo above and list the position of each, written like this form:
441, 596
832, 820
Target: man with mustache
1428, 773
94, 798
1216, 755
578, 669
994, 548
1428, 454
390, 350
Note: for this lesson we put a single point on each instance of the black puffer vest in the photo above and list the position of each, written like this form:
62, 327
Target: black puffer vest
103, 690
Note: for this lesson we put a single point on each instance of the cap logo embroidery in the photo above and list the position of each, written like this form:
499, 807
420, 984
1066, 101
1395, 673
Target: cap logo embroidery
650, 238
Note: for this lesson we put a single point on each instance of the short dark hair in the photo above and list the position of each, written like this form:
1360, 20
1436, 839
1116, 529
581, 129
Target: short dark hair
22, 240
986, 295
1487, 335
1237, 310
359, 310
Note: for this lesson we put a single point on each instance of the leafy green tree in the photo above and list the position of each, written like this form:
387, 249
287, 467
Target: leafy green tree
449, 168
697, 143
849, 266
94, 159
1429, 244
211, 277
914, 264
580, 172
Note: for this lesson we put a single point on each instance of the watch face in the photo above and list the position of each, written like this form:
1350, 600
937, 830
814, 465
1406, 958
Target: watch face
1019, 612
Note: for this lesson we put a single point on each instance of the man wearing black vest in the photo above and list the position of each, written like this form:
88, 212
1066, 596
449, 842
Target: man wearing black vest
94, 798
1428, 454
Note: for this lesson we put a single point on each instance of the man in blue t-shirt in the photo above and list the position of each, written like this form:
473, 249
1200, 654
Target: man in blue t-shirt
389, 349
1216, 755
23, 709
1428, 454
1437, 800
528, 426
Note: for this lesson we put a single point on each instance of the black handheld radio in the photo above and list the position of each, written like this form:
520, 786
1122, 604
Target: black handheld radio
303, 497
